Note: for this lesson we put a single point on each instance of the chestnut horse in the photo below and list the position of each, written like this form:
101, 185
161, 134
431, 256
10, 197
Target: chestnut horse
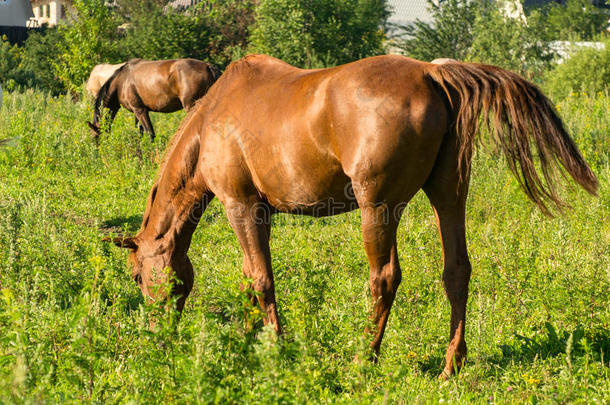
270, 138
161, 86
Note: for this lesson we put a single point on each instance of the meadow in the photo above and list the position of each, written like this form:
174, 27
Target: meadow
74, 327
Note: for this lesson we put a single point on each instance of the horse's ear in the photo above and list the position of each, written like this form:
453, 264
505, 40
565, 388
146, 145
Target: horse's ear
123, 241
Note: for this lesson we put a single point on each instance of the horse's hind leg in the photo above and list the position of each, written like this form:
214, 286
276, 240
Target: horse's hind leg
448, 198
379, 223
144, 118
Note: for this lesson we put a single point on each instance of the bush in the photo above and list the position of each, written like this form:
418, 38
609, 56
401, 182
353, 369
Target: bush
479, 31
10, 58
575, 19
228, 23
509, 42
39, 52
587, 70
312, 33
88, 40
449, 35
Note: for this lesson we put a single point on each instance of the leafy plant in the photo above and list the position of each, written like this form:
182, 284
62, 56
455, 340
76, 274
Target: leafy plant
510, 42
311, 33
39, 52
449, 35
575, 19
586, 70
89, 39
10, 58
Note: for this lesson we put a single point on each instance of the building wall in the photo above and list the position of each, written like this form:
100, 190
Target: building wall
51, 11
407, 11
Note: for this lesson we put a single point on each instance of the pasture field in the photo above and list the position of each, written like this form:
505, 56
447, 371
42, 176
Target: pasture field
74, 327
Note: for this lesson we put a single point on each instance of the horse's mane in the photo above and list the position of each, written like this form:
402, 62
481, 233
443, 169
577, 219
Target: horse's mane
169, 150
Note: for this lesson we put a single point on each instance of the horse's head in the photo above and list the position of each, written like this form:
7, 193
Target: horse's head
153, 264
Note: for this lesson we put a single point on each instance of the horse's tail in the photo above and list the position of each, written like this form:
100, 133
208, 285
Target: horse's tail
518, 115
105, 96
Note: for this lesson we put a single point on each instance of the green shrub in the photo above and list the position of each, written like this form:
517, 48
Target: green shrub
449, 35
509, 42
228, 23
10, 58
478, 31
587, 70
89, 39
39, 52
312, 33
575, 18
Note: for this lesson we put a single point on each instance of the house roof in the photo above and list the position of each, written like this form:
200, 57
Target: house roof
15, 13
407, 11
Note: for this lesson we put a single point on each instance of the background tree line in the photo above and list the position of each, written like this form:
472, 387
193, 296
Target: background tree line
309, 33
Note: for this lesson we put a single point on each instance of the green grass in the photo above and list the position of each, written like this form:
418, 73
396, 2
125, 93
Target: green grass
73, 325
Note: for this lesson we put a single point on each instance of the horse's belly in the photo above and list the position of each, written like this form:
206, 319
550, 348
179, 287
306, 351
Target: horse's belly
320, 190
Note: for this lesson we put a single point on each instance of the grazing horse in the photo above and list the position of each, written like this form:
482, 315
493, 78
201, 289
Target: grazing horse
161, 86
270, 138
99, 75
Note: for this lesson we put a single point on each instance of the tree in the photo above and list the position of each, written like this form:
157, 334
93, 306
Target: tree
9, 62
319, 32
576, 19
510, 42
586, 70
228, 22
39, 52
88, 40
449, 35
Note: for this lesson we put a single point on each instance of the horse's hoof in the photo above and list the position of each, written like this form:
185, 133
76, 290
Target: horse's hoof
445, 375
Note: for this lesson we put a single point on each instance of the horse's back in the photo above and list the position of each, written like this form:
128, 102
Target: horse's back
303, 135
170, 85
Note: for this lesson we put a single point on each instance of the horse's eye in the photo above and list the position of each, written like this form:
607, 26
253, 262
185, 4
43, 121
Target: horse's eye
138, 279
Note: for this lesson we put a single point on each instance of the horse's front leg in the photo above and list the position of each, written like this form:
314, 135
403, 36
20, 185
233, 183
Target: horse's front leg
251, 222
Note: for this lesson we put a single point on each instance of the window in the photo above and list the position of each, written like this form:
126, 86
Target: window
40, 11
48, 10
62, 11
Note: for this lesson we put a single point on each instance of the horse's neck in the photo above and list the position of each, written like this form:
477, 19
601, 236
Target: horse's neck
173, 216
177, 199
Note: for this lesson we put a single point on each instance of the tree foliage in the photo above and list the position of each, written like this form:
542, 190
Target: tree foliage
587, 70
9, 63
312, 33
510, 42
576, 19
479, 30
449, 35
88, 40
39, 52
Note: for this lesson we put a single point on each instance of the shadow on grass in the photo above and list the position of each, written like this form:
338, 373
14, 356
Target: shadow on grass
577, 343
432, 366
122, 224
550, 343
